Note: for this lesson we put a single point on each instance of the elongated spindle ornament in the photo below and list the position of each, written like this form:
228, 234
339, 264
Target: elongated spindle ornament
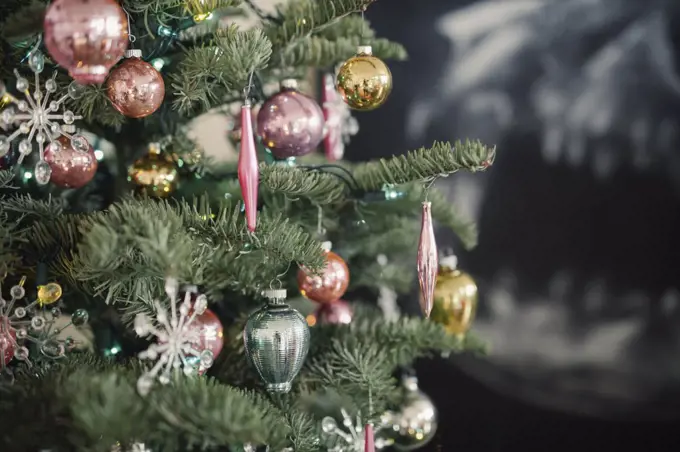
428, 261
248, 171
369, 438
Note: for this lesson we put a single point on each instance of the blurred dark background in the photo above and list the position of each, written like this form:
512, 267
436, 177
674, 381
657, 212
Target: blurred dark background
578, 263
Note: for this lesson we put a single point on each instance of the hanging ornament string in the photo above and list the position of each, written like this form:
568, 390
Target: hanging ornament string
132, 38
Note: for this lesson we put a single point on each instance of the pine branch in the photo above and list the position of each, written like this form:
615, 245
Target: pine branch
207, 74
6, 178
320, 188
95, 106
440, 160
94, 405
320, 52
360, 358
22, 23
302, 18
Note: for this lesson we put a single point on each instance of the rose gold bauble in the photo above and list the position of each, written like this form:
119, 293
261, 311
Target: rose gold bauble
338, 312
329, 285
135, 88
70, 168
87, 37
7, 341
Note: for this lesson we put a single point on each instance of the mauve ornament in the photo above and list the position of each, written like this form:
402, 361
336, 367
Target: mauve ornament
338, 312
87, 37
290, 123
71, 168
135, 88
276, 340
248, 171
428, 261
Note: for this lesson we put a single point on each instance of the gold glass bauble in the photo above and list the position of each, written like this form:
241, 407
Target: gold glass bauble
414, 424
154, 174
49, 293
455, 300
364, 81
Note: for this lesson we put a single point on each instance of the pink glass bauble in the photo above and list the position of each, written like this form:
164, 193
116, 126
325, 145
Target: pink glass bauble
7, 341
290, 123
71, 168
135, 88
87, 37
210, 331
338, 312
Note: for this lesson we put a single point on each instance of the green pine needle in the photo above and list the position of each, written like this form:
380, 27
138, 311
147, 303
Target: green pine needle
441, 159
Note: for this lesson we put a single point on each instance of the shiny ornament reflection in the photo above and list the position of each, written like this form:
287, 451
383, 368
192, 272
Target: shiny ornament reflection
455, 298
330, 284
415, 424
290, 123
87, 37
154, 174
135, 88
364, 81
70, 167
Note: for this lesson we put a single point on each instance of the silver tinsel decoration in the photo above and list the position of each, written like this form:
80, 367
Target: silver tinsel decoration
276, 341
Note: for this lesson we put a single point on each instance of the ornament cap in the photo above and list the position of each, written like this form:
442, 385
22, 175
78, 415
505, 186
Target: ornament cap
327, 245
133, 53
68, 128
275, 294
365, 50
155, 148
450, 262
289, 83
410, 383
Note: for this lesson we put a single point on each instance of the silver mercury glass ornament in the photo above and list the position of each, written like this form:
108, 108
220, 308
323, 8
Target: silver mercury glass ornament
415, 424
276, 340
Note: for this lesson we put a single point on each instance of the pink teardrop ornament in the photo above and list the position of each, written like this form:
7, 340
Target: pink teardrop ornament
428, 261
248, 171
369, 438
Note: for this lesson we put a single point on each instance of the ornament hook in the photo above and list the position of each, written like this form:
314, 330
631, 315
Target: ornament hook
132, 38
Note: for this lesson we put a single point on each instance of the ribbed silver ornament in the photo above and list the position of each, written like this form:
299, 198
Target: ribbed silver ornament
276, 340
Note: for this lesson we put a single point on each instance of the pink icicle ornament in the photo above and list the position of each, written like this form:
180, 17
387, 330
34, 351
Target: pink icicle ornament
428, 261
369, 438
248, 171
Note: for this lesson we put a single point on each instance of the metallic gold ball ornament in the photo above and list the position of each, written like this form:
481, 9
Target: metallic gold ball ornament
455, 298
49, 293
364, 81
415, 424
154, 174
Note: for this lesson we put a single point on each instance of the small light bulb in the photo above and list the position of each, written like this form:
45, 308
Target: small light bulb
28, 175
158, 63
98, 154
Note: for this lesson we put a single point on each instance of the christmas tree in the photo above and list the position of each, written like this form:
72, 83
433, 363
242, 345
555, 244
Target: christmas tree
152, 297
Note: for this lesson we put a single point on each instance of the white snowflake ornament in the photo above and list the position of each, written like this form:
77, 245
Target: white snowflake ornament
25, 325
351, 438
38, 118
177, 343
